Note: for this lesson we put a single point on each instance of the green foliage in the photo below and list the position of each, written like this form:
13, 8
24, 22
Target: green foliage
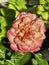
7, 16
42, 10
45, 15
3, 24
19, 59
47, 1
43, 2
1, 62
39, 60
22, 58
20, 5
34, 62
2, 51
11, 1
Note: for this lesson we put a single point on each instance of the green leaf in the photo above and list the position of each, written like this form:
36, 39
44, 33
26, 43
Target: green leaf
9, 16
3, 21
40, 8
21, 4
1, 62
22, 58
39, 12
18, 59
40, 60
2, 11
39, 55
3, 24
17, 12
7, 12
45, 15
11, 1
47, 7
10, 6
34, 62
8, 62
2, 51
47, 1
42, 2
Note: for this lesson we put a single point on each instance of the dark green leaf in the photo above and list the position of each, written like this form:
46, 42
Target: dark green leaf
47, 24
47, 7
9, 16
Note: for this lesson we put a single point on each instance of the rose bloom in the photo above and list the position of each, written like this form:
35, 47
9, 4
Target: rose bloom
26, 33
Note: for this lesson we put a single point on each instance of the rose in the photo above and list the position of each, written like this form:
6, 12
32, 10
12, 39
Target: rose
26, 33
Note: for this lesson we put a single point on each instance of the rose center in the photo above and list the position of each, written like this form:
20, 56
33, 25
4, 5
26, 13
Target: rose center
27, 31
